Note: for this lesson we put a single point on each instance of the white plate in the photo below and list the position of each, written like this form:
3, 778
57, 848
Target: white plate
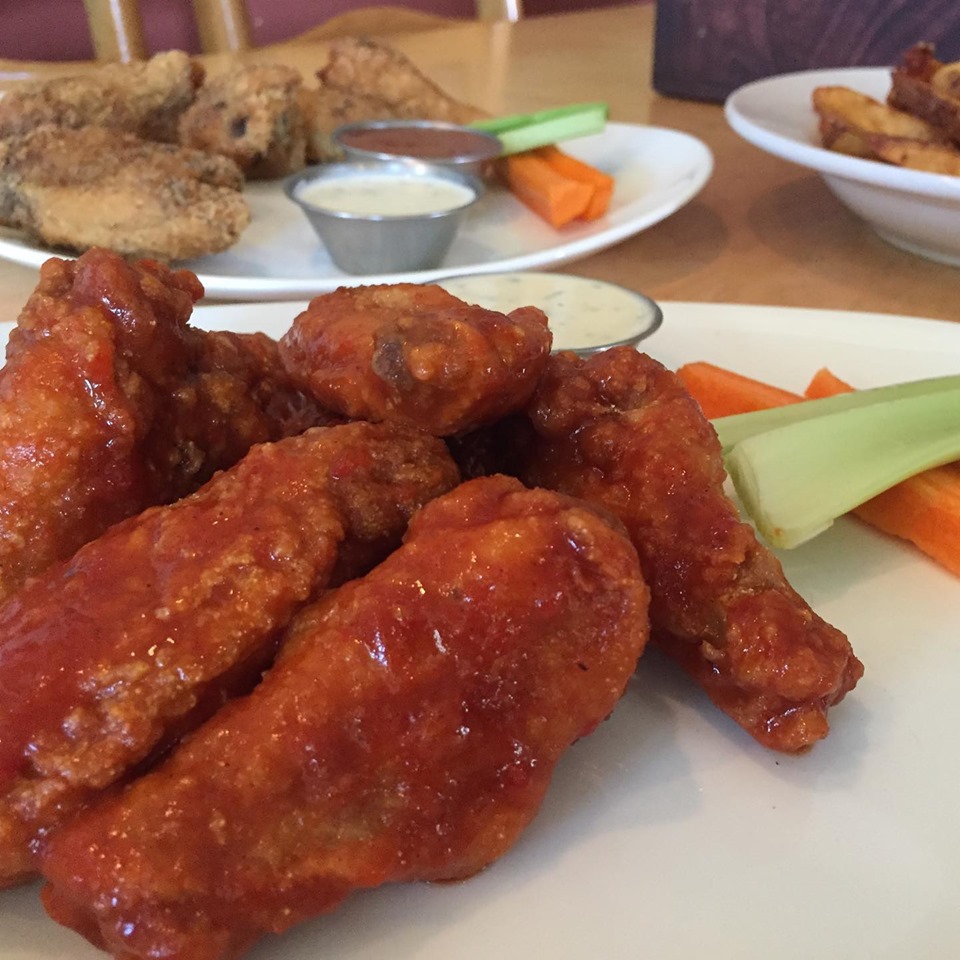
279, 257
669, 834
912, 209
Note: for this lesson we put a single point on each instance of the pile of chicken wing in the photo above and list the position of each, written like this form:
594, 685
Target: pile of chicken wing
286, 620
150, 158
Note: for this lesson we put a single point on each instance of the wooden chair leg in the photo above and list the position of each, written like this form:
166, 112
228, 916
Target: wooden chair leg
224, 25
116, 30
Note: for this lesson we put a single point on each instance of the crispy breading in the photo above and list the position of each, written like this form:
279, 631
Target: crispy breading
141, 635
144, 97
252, 115
409, 731
325, 108
376, 70
79, 188
366, 80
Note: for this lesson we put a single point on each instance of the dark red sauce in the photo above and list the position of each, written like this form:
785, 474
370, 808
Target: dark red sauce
425, 143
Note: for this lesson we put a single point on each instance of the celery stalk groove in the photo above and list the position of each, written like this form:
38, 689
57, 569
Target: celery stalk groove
795, 479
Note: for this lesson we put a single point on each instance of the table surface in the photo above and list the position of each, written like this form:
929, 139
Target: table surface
762, 231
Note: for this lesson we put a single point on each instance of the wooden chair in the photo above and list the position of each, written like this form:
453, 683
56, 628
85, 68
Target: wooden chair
117, 32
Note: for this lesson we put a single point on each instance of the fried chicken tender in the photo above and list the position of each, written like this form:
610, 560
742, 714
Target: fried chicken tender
416, 354
408, 731
144, 98
93, 186
108, 656
252, 115
619, 430
110, 403
367, 80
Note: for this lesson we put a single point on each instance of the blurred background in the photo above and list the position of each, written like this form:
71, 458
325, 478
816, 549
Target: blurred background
57, 29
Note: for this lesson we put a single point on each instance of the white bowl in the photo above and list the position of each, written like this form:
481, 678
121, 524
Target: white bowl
912, 209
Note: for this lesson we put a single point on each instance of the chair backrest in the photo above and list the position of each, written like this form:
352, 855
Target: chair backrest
116, 26
116, 29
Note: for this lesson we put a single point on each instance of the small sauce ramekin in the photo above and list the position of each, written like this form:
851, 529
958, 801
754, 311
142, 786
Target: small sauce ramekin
432, 141
365, 241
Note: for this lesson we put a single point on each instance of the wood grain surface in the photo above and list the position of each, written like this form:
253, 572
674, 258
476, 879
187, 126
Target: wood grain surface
704, 49
762, 231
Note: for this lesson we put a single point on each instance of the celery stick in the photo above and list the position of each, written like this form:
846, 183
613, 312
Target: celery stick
527, 131
737, 427
796, 479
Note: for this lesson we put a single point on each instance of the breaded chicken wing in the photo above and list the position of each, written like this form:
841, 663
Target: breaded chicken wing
80, 188
619, 430
145, 98
408, 731
417, 355
367, 80
377, 70
251, 114
109, 655
110, 403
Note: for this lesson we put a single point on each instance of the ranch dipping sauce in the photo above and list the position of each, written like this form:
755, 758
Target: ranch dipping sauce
384, 195
585, 315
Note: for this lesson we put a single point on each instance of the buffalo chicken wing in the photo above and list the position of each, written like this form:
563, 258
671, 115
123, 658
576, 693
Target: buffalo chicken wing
618, 429
109, 655
408, 731
416, 355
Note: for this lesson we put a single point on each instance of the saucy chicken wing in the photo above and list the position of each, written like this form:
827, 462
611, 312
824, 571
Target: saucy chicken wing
408, 731
416, 355
619, 430
108, 656
110, 403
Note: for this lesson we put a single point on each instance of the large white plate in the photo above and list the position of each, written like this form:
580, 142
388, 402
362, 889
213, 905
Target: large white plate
279, 257
913, 209
669, 834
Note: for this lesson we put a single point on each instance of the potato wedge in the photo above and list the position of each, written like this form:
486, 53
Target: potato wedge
946, 80
844, 109
931, 157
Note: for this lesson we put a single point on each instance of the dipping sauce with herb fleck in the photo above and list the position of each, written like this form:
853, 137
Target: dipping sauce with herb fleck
585, 315
385, 195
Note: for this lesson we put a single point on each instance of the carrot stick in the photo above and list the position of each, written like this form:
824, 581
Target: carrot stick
551, 195
924, 509
575, 169
721, 392
825, 384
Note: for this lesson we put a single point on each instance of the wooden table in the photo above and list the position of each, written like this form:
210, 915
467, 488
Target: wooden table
762, 231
